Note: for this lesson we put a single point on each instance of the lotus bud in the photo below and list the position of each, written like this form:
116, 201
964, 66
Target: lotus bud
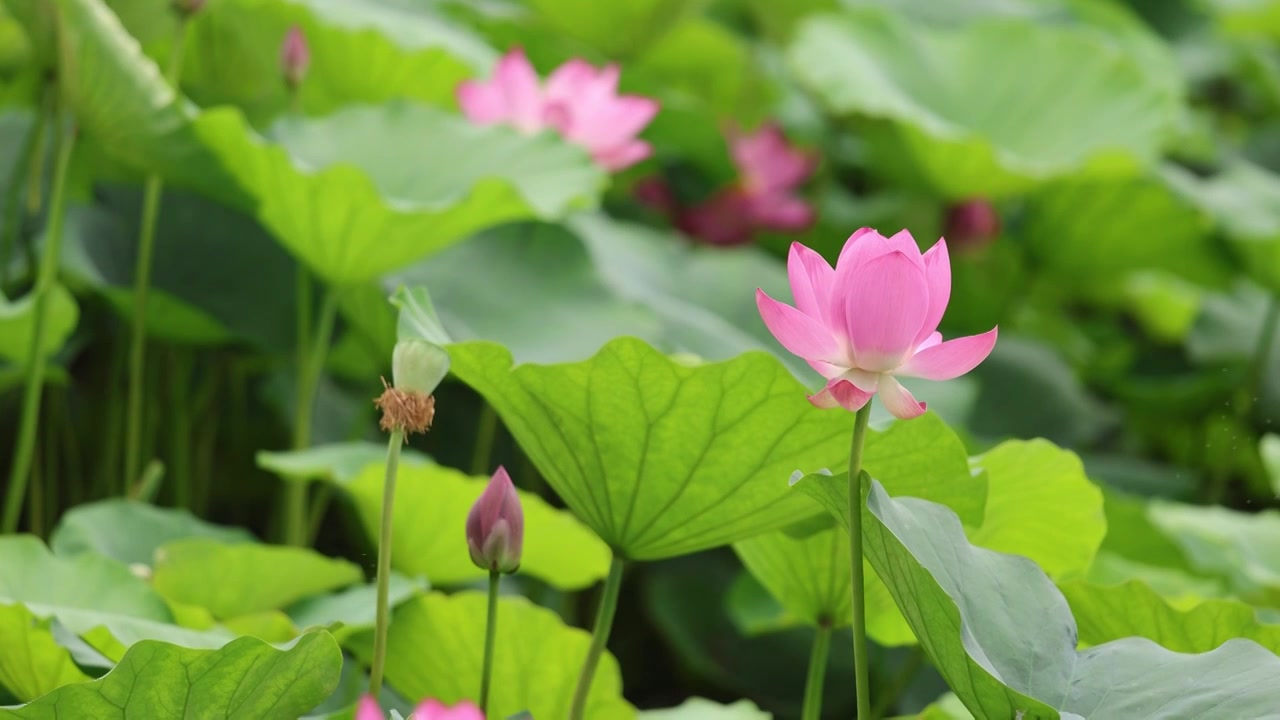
295, 57
495, 526
418, 366
971, 225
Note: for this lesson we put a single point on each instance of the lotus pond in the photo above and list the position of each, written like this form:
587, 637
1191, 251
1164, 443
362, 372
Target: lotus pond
640, 359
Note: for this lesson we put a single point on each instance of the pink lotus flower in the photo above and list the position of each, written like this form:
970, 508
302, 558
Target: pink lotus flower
579, 101
972, 225
295, 57
872, 319
368, 709
762, 198
495, 526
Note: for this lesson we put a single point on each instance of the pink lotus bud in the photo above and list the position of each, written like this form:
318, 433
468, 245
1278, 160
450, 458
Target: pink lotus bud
872, 319
495, 526
295, 57
971, 225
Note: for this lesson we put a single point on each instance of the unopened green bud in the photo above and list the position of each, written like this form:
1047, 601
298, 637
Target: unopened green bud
418, 366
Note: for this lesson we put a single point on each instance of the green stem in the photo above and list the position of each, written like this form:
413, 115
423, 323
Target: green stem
142, 285
311, 367
861, 685
384, 564
599, 638
20, 472
485, 431
490, 632
817, 673
14, 213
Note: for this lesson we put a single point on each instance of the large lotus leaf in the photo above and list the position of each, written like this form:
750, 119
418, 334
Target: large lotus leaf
360, 52
201, 248
696, 708
1134, 608
428, 529
661, 457
948, 109
1028, 481
1003, 636
250, 577
704, 296
1234, 545
1244, 199
353, 194
18, 322
809, 572
354, 608
130, 532
33, 663
553, 305
338, 463
437, 650
246, 679
92, 596
616, 29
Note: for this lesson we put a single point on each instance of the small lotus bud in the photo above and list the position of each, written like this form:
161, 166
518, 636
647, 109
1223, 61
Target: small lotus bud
418, 366
187, 8
495, 526
295, 57
971, 225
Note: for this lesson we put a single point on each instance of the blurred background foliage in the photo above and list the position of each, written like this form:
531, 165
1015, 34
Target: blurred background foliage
1107, 175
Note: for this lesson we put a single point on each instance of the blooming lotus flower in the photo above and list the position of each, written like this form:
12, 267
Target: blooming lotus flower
578, 100
495, 526
872, 319
295, 57
367, 709
769, 171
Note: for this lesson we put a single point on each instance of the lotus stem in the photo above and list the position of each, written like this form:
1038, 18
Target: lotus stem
152, 193
860, 671
817, 673
20, 471
599, 638
383, 618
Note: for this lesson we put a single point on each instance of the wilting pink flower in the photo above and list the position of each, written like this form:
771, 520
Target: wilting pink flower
872, 319
578, 100
295, 57
971, 224
495, 526
762, 198
367, 709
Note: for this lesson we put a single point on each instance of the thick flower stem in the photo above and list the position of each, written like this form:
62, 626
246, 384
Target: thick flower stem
817, 673
860, 672
142, 285
311, 358
20, 471
383, 619
490, 632
599, 638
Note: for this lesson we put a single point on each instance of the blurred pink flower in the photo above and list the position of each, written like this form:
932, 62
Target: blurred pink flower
872, 319
368, 709
972, 224
578, 100
495, 526
295, 57
762, 197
